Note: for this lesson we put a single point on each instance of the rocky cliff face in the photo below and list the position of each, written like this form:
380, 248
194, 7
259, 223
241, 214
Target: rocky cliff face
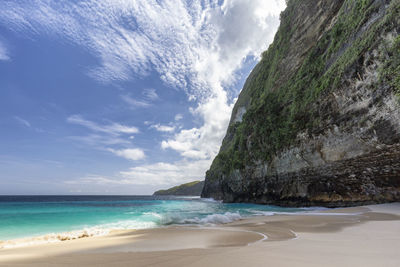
318, 119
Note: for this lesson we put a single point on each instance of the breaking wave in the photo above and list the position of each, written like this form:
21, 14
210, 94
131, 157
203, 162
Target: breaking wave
214, 219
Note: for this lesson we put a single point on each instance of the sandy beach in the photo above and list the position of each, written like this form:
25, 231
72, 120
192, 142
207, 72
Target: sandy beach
359, 236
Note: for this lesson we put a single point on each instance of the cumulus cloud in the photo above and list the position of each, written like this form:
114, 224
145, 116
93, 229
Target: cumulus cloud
195, 46
203, 142
243, 28
130, 153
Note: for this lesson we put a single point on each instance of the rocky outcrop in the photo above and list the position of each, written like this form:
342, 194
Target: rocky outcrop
367, 179
188, 189
318, 120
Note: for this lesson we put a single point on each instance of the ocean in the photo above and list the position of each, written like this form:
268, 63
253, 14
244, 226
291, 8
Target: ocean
55, 218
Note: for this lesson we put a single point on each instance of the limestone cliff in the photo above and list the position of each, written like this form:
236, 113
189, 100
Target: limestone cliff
318, 119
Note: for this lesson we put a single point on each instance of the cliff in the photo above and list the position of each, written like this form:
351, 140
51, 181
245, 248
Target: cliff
188, 189
318, 119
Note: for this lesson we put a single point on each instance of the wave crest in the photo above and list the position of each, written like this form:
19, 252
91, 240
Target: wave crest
208, 220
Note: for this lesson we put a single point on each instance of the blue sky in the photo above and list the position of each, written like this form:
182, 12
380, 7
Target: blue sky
121, 97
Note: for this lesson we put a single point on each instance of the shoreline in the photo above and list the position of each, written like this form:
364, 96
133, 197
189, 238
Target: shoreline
342, 232
99, 230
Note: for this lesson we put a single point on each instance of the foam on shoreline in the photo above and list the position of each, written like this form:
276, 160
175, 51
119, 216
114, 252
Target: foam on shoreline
53, 238
100, 230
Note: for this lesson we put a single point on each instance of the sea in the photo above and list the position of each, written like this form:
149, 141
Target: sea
41, 219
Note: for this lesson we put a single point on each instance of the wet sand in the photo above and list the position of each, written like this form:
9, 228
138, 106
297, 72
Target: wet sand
360, 236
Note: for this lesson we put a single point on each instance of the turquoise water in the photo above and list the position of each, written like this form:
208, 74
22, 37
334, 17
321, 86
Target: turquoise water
30, 216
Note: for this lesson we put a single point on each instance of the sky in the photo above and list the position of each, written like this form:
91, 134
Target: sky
121, 96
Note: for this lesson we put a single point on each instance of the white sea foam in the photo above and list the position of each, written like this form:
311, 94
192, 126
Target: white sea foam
154, 214
188, 197
214, 219
54, 237
310, 213
100, 230
262, 213
296, 236
331, 213
210, 200
128, 224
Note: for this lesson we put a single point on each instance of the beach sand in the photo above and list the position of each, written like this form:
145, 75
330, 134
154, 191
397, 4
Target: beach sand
360, 236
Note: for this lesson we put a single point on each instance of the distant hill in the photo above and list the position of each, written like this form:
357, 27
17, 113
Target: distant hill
188, 189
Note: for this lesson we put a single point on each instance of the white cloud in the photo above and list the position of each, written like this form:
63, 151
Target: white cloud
135, 103
243, 28
90, 179
130, 153
178, 117
100, 140
192, 44
113, 128
3, 52
157, 174
195, 46
163, 128
165, 173
203, 142
22, 121
107, 136
150, 94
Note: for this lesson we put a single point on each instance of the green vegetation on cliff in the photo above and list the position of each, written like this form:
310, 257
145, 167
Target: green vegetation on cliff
390, 71
284, 103
188, 189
